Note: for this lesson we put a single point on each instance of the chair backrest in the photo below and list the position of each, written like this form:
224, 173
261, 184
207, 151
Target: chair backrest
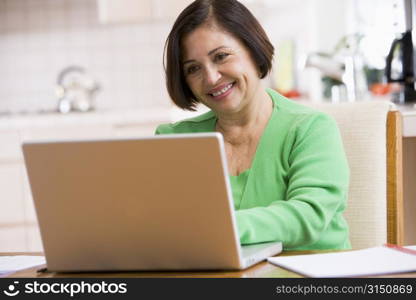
372, 138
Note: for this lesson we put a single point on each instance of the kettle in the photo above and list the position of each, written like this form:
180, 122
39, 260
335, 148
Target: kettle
75, 90
400, 68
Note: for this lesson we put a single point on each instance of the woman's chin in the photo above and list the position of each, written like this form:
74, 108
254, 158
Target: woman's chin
227, 109
225, 105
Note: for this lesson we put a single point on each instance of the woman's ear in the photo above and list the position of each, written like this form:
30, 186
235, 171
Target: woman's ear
259, 72
262, 74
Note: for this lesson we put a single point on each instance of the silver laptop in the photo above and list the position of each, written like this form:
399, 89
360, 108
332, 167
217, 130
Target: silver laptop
154, 203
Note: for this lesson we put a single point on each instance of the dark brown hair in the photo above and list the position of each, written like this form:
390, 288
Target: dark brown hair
231, 16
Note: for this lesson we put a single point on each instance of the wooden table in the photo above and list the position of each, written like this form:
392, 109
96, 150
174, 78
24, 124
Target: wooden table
260, 270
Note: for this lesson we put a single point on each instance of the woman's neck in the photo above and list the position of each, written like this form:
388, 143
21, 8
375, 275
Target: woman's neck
239, 126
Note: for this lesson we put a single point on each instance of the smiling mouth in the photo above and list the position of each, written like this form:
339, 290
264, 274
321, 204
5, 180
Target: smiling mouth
223, 90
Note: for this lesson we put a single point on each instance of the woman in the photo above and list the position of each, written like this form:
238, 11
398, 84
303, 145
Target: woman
288, 169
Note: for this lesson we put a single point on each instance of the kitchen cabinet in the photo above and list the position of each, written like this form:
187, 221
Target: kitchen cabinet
10, 145
136, 11
110, 11
11, 194
12, 216
169, 9
18, 224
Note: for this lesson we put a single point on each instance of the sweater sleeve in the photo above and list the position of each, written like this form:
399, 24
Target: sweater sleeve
317, 184
164, 129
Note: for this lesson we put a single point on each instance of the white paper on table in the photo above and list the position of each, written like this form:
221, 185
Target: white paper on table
9, 264
371, 261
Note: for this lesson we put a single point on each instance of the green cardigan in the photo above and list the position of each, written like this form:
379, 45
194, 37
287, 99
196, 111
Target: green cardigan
296, 188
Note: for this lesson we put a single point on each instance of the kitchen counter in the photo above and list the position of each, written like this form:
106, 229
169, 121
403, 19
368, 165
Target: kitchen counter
409, 119
122, 117
140, 116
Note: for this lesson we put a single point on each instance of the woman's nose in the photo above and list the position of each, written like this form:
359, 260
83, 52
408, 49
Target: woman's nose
212, 75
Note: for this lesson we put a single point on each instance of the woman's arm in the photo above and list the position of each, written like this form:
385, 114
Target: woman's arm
318, 178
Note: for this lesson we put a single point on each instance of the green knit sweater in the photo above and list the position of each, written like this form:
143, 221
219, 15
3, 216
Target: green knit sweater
296, 188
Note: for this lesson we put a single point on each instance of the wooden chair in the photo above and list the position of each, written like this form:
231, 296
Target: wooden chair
395, 220
372, 137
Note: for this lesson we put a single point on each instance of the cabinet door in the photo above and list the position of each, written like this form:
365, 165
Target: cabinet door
33, 239
12, 217
169, 9
13, 239
28, 205
124, 11
9, 146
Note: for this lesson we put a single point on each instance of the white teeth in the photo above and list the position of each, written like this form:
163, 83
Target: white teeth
223, 90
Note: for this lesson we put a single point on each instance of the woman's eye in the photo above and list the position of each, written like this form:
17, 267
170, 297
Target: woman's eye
221, 56
192, 69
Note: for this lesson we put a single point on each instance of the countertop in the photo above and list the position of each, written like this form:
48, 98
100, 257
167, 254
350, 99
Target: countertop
141, 116
122, 117
409, 119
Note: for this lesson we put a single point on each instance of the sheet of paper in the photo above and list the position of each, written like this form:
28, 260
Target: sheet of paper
372, 261
411, 247
10, 264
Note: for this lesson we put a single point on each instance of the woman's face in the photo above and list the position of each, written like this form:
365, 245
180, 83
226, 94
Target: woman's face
219, 69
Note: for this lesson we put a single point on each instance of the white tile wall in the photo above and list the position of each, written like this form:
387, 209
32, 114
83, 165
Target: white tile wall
38, 38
